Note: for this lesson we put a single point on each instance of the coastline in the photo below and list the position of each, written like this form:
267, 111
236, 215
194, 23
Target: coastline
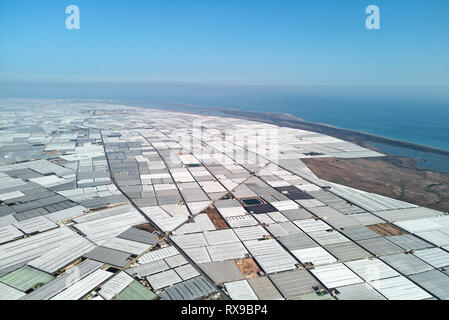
289, 120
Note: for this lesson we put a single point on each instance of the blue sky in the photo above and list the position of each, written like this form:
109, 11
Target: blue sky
271, 42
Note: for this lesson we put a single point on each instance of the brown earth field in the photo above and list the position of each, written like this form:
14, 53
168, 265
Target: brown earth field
391, 176
216, 218
385, 229
248, 268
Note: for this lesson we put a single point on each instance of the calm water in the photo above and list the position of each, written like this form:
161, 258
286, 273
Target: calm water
427, 161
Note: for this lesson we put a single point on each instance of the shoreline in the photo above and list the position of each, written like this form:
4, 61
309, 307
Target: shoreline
291, 121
